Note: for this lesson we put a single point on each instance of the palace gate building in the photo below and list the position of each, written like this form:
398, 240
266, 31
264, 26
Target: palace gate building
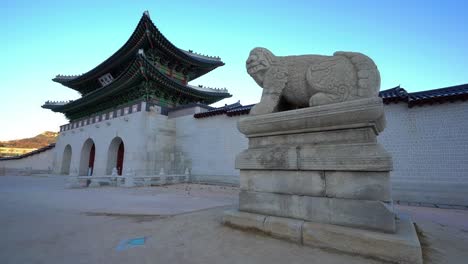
122, 119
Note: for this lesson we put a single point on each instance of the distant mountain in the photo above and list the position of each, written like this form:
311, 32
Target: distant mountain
39, 141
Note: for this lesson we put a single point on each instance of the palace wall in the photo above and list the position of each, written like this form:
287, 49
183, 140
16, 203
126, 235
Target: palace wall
211, 144
39, 163
429, 145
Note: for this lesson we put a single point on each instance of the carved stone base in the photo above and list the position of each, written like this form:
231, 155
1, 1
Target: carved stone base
318, 176
320, 164
366, 214
401, 247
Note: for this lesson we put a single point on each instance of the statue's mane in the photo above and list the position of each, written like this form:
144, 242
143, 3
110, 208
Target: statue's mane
266, 53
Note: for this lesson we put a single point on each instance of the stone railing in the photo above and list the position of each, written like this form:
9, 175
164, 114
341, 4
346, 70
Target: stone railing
128, 180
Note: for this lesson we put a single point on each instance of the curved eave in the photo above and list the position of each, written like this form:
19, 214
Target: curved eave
146, 34
128, 77
140, 70
160, 77
51, 107
171, 49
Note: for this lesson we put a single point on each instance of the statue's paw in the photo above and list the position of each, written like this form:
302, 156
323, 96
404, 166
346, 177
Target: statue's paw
262, 108
323, 99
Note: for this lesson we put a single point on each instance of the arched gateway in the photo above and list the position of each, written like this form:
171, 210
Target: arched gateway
66, 160
115, 156
88, 153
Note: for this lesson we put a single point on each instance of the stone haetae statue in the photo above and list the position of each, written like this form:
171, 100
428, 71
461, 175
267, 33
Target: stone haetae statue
317, 174
292, 82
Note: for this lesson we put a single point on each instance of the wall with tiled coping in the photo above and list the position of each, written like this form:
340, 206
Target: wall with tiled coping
429, 145
123, 110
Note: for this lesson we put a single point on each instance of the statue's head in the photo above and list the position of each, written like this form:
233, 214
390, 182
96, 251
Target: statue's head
258, 63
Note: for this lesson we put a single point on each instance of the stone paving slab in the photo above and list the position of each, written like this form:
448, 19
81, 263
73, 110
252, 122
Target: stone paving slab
39, 229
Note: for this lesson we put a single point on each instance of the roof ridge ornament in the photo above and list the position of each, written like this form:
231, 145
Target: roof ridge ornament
193, 53
146, 13
209, 89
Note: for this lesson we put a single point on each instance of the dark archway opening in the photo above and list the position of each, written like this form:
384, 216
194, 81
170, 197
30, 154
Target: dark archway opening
92, 154
120, 158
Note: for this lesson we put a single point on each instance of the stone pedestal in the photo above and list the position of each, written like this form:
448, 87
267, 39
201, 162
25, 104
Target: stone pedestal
320, 167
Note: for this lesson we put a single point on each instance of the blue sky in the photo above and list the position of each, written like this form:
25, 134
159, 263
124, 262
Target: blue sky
419, 45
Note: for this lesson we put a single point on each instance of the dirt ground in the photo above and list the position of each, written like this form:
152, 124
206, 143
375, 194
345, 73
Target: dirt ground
41, 222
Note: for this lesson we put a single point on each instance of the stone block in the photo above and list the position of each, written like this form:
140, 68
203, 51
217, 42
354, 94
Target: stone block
244, 220
287, 228
401, 247
169, 180
311, 183
155, 180
342, 157
357, 135
352, 114
358, 185
374, 215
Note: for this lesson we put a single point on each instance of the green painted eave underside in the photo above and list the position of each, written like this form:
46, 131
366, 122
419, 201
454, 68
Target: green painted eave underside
141, 80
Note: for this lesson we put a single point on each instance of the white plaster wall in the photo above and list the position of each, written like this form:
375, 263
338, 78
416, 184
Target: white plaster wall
131, 128
186, 111
38, 163
160, 146
148, 137
429, 145
211, 144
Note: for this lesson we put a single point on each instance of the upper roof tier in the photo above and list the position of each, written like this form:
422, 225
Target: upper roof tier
145, 36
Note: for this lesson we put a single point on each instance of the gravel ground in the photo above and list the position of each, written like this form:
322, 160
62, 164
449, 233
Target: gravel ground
41, 222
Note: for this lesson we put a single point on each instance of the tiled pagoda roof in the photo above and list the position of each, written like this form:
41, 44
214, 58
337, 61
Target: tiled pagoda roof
145, 36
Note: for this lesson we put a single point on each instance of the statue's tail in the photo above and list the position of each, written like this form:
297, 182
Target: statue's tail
367, 73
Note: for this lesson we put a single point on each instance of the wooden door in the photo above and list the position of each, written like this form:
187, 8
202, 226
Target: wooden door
120, 158
92, 153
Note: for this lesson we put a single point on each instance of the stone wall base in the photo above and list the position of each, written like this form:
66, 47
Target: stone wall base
400, 247
124, 181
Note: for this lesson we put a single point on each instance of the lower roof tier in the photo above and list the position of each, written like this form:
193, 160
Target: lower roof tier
141, 79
